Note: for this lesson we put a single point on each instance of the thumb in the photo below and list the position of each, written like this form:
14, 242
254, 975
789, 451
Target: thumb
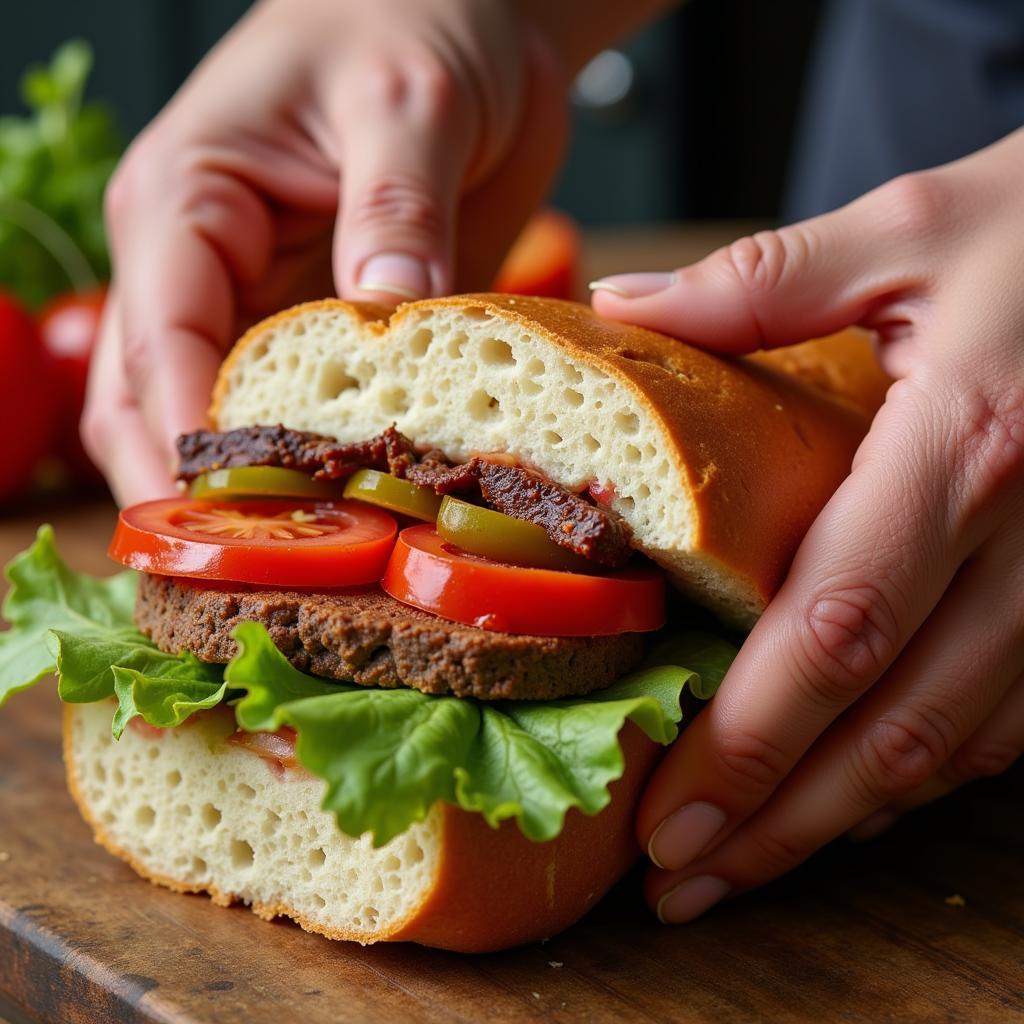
403, 159
774, 287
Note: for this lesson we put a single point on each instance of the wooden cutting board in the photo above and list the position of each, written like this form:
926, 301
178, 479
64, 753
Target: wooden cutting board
864, 933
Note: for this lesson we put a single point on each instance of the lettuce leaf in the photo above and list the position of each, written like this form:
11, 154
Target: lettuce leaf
80, 627
163, 700
386, 756
45, 595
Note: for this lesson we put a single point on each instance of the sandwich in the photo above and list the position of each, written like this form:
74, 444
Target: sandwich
437, 592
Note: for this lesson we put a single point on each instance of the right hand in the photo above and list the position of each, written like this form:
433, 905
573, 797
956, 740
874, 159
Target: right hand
375, 139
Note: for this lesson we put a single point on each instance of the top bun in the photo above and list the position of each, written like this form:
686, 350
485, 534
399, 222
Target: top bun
718, 465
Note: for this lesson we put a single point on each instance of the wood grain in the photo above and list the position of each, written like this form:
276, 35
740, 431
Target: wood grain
863, 933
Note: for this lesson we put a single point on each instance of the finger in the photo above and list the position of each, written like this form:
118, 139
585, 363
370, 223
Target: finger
112, 426
992, 749
183, 239
955, 672
869, 571
407, 136
493, 213
805, 280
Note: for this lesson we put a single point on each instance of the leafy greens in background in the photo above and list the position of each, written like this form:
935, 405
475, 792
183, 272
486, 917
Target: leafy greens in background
54, 166
386, 755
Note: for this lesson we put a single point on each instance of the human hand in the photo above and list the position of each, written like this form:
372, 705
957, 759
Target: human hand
407, 140
889, 669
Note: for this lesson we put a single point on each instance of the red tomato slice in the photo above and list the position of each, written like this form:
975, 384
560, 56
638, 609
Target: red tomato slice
437, 577
283, 543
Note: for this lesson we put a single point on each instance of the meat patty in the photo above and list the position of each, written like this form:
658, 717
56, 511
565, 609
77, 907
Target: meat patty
367, 637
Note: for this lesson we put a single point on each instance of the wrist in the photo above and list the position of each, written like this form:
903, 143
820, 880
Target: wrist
576, 30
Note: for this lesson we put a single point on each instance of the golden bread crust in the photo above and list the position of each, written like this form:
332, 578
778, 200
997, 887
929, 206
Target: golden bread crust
497, 889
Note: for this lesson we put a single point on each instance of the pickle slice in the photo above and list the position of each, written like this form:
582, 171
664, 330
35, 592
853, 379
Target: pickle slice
256, 481
482, 531
390, 492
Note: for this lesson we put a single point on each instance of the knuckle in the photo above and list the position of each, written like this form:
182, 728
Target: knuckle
983, 760
917, 205
94, 432
432, 84
416, 81
750, 764
987, 451
849, 640
137, 358
119, 196
398, 199
122, 195
761, 264
760, 261
774, 853
900, 753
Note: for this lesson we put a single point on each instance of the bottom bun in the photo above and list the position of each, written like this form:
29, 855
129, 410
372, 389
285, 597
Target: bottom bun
192, 812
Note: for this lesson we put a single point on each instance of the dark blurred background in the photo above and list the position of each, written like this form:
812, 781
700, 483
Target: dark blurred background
650, 141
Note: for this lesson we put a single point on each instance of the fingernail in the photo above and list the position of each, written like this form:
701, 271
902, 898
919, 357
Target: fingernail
395, 273
681, 837
873, 825
634, 286
690, 899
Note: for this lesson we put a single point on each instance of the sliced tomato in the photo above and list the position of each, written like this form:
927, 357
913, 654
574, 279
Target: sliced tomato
277, 542
428, 573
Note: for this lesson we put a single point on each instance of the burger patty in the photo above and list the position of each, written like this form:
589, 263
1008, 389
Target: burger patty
569, 519
368, 638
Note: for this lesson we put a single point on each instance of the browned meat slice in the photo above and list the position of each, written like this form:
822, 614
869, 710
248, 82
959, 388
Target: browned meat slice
316, 454
569, 519
371, 639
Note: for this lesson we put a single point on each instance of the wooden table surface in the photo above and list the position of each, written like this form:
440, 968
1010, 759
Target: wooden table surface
865, 933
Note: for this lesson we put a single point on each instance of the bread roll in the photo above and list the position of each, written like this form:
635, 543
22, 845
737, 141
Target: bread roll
191, 812
719, 466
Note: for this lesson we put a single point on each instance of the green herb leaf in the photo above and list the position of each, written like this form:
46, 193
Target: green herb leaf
54, 166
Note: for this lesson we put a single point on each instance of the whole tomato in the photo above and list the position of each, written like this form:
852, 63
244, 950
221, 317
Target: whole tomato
69, 326
29, 399
545, 258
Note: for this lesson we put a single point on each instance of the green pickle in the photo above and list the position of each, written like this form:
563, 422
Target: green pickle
482, 531
392, 493
259, 481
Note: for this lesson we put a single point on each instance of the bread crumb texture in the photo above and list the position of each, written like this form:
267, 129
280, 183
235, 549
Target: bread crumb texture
188, 811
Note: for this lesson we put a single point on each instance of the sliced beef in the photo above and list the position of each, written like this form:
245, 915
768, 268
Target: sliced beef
569, 519
321, 456
369, 638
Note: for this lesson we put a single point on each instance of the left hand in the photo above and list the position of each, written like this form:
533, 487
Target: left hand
889, 669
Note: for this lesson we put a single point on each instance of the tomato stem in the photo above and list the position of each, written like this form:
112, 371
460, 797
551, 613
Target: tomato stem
53, 238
